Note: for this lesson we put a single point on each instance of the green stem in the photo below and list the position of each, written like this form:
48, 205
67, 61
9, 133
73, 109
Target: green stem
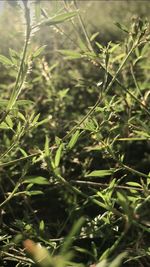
110, 250
135, 81
83, 27
105, 185
140, 174
21, 75
11, 195
5, 164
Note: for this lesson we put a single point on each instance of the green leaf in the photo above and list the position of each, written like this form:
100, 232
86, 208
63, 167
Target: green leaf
118, 260
134, 184
15, 57
82, 45
69, 239
101, 48
38, 51
58, 155
21, 116
63, 93
3, 102
121, 27
34, 193
4, 125
9, 121
73, 139
58, 19
102, 263
47, 151
100, 173
37, 10
48, 156
123, 201
94, 36
41, 226
23, 152
36, 180
91, 125
4, 60
24, 102
113, 48
36, 119
70, 54
42, 122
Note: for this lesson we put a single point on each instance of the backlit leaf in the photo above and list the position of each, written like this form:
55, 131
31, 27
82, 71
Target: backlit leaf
74, 139
100, 173
134, 184
58, 19
39, 51
70, 54
36, 180
58, 155
4, 60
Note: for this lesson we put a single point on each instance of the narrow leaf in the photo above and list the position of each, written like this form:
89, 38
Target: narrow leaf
36, 180
47, 151
34, 193
100, 173
58, 19
41, 226
70, 54
118, 260
94, 36
134, 184
121, 27
9, 121
4, 60
58, 155
74, 139
39, 51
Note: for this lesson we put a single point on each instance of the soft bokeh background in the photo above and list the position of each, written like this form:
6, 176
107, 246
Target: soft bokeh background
99, 16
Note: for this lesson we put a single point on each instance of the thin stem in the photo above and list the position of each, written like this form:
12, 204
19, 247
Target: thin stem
21, 75
105, 185
11, 195
135, 81
17, 88
5, 164
140, 174
83, 27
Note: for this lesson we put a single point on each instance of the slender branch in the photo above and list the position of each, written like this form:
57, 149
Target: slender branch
11, 195
105, 185
5, 164
140, 174
135, 81
83, 27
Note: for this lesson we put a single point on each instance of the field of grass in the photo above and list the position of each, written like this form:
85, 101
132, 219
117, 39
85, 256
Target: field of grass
75, 134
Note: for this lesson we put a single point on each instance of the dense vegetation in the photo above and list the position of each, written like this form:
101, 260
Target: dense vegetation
75, 131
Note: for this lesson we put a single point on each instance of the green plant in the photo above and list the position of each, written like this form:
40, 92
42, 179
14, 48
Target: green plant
75, 144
